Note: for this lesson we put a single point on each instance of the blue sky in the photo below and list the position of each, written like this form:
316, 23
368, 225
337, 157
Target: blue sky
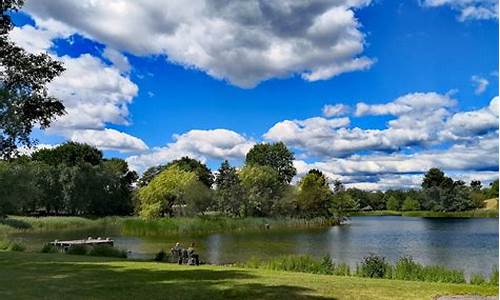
148, 87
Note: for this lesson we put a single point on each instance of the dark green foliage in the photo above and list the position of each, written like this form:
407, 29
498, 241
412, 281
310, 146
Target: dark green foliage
77, 250
49, 248
229, 191
160, 256
107, 251
277, 156
24, 101
374, 266
69, 154
492, 191
67, 180
314, 195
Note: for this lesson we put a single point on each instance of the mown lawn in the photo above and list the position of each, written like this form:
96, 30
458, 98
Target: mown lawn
56, 276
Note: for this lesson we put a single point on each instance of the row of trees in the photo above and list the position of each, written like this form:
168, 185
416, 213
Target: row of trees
71, 179
262, 187
75, 179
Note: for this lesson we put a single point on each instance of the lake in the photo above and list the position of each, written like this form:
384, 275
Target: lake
468, 244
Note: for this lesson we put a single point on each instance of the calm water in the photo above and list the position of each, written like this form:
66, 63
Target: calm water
468, 244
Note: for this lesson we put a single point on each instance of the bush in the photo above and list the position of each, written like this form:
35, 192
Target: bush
13, 246
477, 279
107, 251
160, 256
49, 248
77, 250
373, 266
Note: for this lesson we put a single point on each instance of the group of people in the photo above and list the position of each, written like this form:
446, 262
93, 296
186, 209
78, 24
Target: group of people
187, 256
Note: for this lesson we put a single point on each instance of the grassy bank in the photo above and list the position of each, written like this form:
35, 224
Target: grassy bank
372, 266
40, 276
207, 225
480, 213
158, 227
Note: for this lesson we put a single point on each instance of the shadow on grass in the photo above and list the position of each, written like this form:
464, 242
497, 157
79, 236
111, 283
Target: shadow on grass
72, 278
14, 223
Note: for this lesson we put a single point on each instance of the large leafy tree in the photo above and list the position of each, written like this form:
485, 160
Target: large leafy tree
314, 195
164, 191
185, 163
24, 101
263, 189
229, 191
277, 156
70, 154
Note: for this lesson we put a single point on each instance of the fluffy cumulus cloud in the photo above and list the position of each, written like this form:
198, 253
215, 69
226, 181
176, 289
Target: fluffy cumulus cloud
336, 110
201, 144
379, 171
418, 117
396, 156
94, 93
317, 39
109, 139
469, 9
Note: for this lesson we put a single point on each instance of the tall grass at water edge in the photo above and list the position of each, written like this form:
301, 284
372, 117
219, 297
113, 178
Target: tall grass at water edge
372, 266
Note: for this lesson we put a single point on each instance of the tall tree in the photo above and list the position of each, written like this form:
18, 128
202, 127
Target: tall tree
24, 101
263, 189
276, 156
229, 191
314, 195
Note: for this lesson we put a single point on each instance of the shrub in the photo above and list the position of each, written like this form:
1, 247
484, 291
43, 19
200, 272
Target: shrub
373, 266
160, 256
477, 279
77, 250
13, 246
48, 248
342, 269
107, 251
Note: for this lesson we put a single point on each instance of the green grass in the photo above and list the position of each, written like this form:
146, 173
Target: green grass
18, 223
480, 213
55, 276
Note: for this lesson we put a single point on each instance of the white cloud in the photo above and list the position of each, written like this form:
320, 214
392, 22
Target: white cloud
480, 84
269, 39
119, 60
382, 171
109, 139
469, 9
472, 123
336, 110
201, 144
93, 93
419, 115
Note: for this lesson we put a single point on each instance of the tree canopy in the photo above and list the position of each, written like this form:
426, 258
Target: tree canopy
277, 156
24, 99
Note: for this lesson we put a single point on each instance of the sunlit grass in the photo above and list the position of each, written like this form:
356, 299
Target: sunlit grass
57, 276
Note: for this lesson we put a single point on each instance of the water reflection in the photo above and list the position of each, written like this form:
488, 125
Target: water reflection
469, 244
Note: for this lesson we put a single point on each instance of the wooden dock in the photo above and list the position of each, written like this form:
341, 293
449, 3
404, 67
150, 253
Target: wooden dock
87, 242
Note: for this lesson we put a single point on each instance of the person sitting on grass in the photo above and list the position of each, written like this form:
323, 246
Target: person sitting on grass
177, 252
194, 258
